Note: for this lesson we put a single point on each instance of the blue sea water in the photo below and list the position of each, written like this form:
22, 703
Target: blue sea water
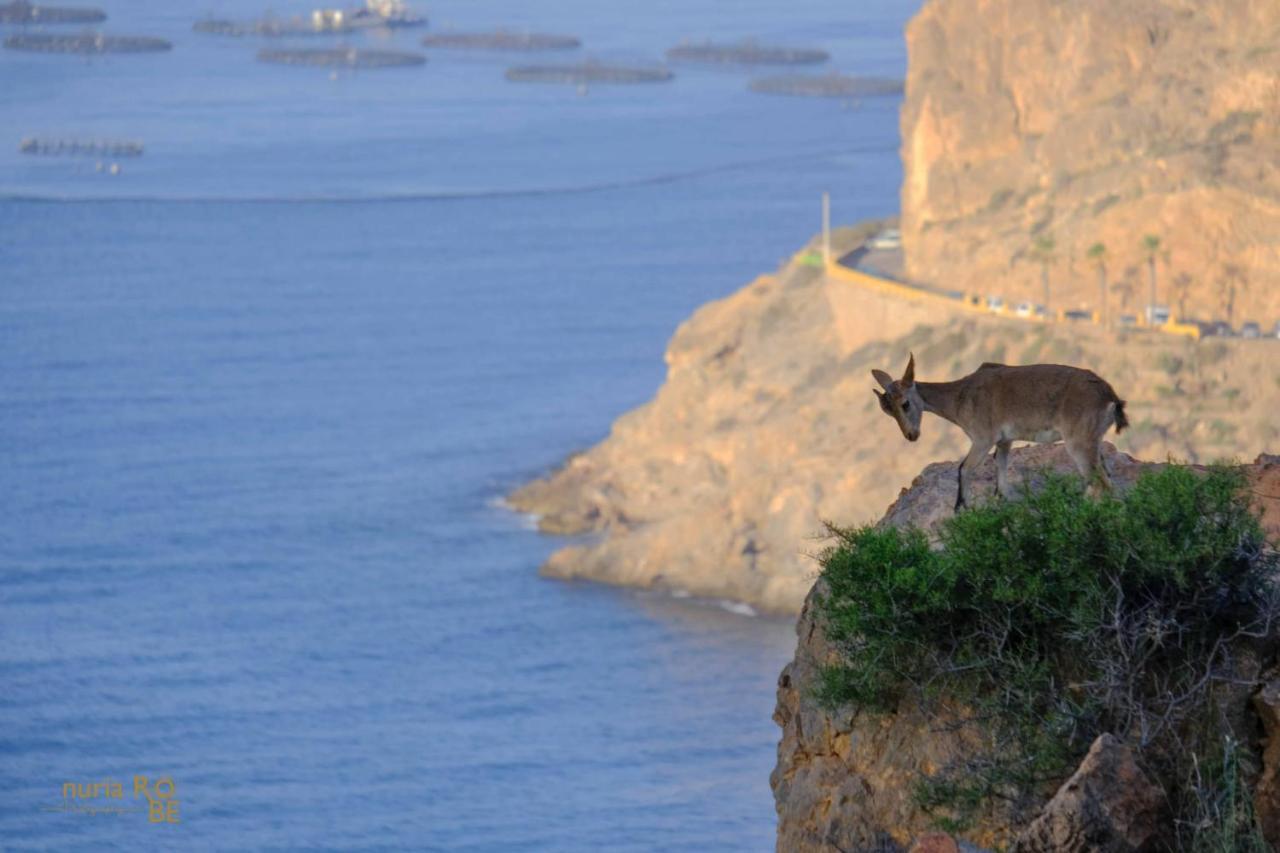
261, 391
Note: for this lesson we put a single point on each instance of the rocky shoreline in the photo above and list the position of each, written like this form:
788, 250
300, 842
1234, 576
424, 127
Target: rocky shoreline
766, 428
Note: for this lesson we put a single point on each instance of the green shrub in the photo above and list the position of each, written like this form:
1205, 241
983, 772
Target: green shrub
1044, 621
1217, 809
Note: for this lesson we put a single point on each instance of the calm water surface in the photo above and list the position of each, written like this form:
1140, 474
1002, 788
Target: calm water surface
261, 390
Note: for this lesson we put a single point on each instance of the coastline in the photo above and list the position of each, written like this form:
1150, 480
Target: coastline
764, 429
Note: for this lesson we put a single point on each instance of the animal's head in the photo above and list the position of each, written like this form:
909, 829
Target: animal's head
900, 399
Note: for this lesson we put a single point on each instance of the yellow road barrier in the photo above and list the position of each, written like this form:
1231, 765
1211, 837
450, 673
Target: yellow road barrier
970, 301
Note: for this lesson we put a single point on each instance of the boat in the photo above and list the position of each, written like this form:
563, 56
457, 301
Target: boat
374, 14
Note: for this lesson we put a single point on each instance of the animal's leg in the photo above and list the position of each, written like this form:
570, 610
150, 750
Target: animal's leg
1002, 468
1104, 471
1088, 461
976, 452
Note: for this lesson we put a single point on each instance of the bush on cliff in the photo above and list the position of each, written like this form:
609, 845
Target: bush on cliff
1044, 621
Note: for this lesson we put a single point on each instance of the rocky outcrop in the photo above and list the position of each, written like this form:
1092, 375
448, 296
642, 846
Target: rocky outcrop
1267, 793
844, 780
766, 427
1096, 121
1109, 805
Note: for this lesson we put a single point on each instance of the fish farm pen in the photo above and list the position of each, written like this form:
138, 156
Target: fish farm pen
80, 147
271, 28
267, 27
342, 58
87, 44
375, 14
587, 73
827, 86
501, 40
746, 53
29, 13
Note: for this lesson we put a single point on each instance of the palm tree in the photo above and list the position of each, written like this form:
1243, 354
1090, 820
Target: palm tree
1151, 246
1126, 287
1181, 289
1233, 281
1098, 257
1042, 251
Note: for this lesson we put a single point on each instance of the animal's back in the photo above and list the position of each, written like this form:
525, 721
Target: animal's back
1048, 388
1039, 377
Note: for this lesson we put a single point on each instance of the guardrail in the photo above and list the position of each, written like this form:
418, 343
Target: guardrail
974, 302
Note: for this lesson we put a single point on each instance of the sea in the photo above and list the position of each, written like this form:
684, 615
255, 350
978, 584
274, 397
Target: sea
263, 388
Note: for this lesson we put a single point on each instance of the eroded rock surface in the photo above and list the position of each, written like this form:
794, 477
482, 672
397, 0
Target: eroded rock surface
1109, 805
1267, 793
1096, 121
844, 779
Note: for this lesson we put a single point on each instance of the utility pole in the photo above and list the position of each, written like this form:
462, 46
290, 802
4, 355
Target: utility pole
826, 228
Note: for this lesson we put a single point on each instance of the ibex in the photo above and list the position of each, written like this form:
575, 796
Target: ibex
997, 405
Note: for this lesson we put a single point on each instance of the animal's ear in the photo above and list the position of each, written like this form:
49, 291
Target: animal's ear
884, 401
909, 377
885, 380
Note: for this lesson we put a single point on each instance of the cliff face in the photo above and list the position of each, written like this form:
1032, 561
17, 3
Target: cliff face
844, 779
766, 427
1097, 121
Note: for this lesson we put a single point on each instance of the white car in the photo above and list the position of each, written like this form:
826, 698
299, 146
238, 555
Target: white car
889, 238
995, 304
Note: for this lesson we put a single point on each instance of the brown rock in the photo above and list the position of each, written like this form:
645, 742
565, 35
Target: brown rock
1266, 800
1108, 806
935, 842
1096, 121
1264, 477
844, 781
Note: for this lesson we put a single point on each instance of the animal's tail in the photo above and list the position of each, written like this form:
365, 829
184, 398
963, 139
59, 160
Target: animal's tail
1121, 420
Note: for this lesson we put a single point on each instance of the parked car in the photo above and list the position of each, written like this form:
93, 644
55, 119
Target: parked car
1128, 320
1250, 330
995, 304
1157, 315
1026, 309
1276, 331
889, 238
1077, 315
1221, 329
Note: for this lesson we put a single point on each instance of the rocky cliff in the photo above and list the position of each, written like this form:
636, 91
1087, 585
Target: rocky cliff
1096, 121
844, 779
766, 427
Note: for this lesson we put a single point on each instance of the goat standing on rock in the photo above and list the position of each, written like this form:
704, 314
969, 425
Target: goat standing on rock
997, 405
